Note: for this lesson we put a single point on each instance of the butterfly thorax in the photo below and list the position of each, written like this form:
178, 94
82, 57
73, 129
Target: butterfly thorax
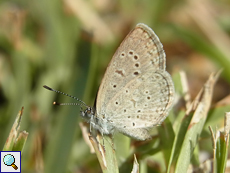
100, 124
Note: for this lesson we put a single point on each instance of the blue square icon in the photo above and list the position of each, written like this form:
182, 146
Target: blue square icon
10, 161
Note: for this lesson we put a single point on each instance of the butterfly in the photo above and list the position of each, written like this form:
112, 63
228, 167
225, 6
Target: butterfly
136, 92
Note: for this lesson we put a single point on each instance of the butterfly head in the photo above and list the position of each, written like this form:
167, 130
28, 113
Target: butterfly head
87, 113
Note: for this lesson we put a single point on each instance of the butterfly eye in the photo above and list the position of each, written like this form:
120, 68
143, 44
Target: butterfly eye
88, 111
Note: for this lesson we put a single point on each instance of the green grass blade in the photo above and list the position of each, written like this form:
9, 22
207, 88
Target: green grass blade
201, 105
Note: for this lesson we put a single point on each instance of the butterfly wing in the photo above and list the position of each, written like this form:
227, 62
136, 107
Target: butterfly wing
136, 91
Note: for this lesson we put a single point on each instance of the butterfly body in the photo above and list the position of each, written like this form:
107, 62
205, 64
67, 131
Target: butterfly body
102, 125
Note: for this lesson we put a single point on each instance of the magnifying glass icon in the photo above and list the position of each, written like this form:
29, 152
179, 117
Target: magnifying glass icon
9, 160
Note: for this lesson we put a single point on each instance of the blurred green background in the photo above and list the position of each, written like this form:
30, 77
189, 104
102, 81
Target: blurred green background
68, 44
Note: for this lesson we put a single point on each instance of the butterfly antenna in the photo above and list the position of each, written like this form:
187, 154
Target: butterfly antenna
59, 92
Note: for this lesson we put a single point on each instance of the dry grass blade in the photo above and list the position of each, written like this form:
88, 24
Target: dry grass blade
203, 99
16, 140
135, 165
